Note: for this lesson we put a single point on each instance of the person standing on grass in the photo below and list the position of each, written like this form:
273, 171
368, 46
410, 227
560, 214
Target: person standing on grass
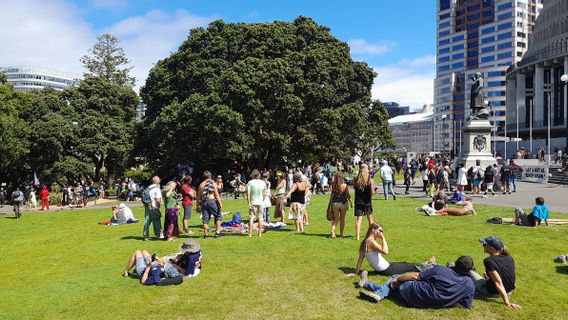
436, 287
255, 198
364, 189
187, 194
152, 214
499, 277
341, 201
44, 195
297, 195
280, 195
387, 178
33, 200
424, 174
17, 201
209, 202
3, 195
171, 227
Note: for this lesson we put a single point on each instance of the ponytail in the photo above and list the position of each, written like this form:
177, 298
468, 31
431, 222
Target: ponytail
505, 251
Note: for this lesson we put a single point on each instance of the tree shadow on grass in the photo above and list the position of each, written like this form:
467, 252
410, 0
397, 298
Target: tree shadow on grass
562, 269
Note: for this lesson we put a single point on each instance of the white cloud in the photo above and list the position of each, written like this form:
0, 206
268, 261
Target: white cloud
43, 33
361, 46
410, 82
153, 36
52, 34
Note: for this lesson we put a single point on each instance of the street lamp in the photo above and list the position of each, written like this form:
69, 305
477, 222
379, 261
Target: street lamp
444, 116
564, 78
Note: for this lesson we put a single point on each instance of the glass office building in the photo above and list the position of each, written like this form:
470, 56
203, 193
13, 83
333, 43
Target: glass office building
537, 107
485, 36
32, 78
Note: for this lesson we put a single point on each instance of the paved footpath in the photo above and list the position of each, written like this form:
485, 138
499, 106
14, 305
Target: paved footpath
555, 196
103, 205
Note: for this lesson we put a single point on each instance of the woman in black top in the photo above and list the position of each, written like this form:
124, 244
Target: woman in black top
297, 195
364, 187
499, 277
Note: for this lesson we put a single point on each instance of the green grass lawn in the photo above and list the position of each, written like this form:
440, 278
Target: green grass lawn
62, 265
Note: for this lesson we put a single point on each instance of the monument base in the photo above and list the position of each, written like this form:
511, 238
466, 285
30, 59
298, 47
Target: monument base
477, 144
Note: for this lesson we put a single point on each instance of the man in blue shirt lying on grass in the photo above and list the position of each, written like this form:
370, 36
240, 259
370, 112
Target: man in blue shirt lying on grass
437, 287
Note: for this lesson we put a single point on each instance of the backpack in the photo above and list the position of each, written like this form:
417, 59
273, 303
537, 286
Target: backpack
478, 175
470, 173
18, 196
146, 198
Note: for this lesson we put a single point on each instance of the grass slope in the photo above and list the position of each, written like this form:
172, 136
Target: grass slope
62, 265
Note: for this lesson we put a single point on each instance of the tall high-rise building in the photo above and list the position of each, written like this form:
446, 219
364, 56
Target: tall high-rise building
33, 78
485, 36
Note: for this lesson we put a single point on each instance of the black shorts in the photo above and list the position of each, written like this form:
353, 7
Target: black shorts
363, 210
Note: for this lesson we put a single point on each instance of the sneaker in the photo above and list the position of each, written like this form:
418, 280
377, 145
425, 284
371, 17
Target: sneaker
504, 192
473, 212
364, 276
369, 296
560, 259
484, 196
217, 235
509, 192
204, 236
161, 236
146, 238
394, 197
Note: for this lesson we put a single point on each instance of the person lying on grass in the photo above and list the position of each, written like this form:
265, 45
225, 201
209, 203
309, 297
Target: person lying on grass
499, 277
149, 270
375, 245
466, 207
539, 213
437, 287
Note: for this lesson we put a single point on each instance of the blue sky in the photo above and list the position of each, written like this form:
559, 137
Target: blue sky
396, 38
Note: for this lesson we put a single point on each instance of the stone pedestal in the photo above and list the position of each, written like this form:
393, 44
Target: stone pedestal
477, 143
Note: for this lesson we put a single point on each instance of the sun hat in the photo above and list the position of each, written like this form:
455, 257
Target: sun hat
190, 246
492, 241
122, 206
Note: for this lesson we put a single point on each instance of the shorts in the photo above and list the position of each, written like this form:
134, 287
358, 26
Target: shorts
210, 208
489, 185
296, 211
363, 210
187, 212
141, 264
477, 182
339, 208
257, 211
506, 181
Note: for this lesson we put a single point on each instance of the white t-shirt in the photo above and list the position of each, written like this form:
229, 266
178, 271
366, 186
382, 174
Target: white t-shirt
155, 193
124, 214
386, 173
462, 177
256, 188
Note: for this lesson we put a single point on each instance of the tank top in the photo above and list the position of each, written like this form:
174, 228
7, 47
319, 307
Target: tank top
282, 190
298, 196
376, 260
209, 187
341, 197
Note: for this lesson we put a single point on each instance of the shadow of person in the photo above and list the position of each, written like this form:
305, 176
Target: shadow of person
562, 269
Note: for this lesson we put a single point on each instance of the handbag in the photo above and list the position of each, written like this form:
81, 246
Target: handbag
329, 213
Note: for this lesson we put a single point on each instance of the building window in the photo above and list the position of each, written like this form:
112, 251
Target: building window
443, 42
505, 6
487, 40
458, 56
505, 35
487, 30
444, 25
496, 74
487, 59
444, 33
504, 45
444, 50
444, 59
504, 55
458, 47
504, 16
487, 49
504, 25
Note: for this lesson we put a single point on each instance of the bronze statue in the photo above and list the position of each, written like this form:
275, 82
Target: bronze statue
477, 98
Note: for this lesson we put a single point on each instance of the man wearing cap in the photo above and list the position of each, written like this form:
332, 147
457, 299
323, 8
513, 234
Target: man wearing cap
499, 277
436, 287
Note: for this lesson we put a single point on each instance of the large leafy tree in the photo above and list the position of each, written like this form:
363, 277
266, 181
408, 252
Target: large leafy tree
258, 92
104, 105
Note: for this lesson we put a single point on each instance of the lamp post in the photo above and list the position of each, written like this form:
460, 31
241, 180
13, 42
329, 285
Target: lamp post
444, 116
564, 78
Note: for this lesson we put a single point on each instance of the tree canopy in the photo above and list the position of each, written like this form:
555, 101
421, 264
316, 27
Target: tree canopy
257, 93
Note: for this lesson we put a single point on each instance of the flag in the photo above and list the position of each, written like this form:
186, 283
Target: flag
36, 180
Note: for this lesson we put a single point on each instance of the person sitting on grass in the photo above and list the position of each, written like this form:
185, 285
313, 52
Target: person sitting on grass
499, 277
122, 214
437, 287
374, 246
539, 213
150, 271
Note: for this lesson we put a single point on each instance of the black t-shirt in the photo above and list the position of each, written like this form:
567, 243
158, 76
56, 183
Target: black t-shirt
505, 267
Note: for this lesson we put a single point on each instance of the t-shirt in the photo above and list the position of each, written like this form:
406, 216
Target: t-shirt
155, 193
386, 173
438, 287
505, 267
187, 199
256, 188
540, 211
489, 175
478, 172
505, 172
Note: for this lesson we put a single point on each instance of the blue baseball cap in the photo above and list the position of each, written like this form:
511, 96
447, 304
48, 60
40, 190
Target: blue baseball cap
492, 241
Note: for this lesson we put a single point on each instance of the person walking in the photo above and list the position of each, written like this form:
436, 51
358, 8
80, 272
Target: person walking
3, 195
387, 178
33, 200
44, 195
340, 201
17, 201
364, 189
152, 198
